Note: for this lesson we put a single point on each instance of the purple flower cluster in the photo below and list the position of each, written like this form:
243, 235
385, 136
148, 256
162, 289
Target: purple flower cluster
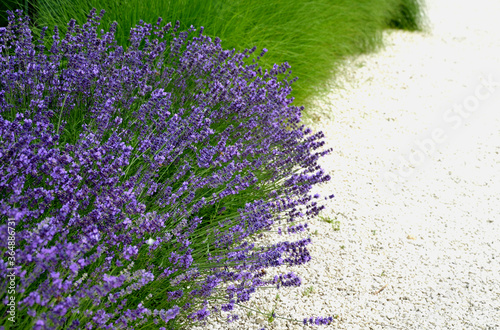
110, 157
318, 320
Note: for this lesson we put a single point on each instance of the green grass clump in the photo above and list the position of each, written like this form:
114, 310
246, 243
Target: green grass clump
312, 36
406, 15
334, 222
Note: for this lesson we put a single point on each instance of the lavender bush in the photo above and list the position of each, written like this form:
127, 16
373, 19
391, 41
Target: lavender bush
135, 178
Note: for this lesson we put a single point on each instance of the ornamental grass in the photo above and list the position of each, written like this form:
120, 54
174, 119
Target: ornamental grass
313, 36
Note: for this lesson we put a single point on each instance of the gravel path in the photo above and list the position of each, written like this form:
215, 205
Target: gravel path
416, 175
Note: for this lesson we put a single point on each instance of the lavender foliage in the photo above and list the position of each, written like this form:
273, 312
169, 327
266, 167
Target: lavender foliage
135, 177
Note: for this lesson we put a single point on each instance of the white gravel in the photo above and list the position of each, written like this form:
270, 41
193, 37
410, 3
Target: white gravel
418, 248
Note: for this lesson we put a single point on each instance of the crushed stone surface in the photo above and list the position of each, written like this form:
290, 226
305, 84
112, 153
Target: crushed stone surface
412, 238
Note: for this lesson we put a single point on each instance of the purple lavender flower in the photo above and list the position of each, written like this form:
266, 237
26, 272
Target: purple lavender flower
105, 149
169, 314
